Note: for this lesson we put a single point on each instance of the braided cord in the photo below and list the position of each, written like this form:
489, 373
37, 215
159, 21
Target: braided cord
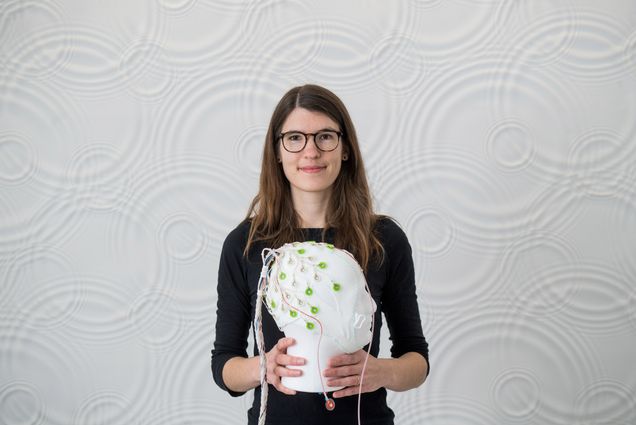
267, 256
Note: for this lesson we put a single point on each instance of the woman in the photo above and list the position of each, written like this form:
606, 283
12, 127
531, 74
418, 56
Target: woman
313, 187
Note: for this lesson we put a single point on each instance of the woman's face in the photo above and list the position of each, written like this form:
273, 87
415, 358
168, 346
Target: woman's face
310, 170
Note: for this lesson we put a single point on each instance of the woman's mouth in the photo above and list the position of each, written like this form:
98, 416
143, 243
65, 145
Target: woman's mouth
312, 169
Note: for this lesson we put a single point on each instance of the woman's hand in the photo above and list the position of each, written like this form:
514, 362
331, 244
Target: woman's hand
346, 370
277, 362
398, 374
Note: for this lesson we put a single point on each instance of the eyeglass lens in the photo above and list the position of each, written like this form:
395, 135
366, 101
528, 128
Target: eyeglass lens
296, 141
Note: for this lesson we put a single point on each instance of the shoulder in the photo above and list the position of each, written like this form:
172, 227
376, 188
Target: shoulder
390, 233
237, 238
395, 244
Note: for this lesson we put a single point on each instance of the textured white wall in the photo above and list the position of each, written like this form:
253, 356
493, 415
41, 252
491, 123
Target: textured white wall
501, 134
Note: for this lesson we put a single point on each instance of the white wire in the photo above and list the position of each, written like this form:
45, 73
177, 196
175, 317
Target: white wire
258, 325
366, 358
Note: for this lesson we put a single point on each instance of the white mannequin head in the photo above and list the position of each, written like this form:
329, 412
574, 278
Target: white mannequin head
318, 295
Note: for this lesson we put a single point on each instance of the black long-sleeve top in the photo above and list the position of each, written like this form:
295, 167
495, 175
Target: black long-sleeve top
392, 285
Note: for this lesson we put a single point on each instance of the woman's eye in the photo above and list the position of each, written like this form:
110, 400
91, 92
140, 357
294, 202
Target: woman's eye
294, 137
325, 137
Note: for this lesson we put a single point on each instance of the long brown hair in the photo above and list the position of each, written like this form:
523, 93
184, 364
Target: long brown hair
350, 210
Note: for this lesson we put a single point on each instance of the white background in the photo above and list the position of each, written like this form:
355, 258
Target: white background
500, 134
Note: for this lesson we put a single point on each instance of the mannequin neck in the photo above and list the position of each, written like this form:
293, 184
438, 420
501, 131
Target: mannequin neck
316, 360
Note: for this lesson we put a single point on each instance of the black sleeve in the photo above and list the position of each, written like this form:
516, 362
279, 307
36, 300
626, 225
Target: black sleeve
399, 297
233, 313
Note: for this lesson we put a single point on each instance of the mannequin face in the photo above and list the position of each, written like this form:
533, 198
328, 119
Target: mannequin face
310, 170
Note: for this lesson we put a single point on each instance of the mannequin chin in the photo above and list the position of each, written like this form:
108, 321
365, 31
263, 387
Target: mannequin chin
318, 295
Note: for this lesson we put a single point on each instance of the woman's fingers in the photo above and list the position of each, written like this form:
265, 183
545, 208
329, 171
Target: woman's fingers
346, 381
279, 356
287, 360
285, 371
342, 371
283, 343
281, 388
350, 390
277, 362
347, 359
345, 365
346, 370
274, 378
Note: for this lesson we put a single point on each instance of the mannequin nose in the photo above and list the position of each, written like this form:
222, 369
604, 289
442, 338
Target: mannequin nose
358, 320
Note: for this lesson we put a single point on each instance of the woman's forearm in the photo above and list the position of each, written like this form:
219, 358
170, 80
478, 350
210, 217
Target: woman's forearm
241, 374
406, 372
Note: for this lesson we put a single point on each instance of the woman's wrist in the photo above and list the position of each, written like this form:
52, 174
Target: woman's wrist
255, 371
405, 372
241, 374
390, 373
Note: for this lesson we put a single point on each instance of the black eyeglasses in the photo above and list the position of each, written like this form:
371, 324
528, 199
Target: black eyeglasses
325, 140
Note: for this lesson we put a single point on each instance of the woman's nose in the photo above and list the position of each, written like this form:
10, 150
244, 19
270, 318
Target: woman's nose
311, 150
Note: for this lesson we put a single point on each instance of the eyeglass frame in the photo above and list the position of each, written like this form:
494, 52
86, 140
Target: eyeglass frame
306, 135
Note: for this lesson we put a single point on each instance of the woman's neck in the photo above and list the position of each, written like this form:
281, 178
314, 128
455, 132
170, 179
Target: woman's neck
311, 208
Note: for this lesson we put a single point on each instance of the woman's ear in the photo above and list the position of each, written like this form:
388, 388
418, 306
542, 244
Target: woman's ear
277, 153
345, 152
